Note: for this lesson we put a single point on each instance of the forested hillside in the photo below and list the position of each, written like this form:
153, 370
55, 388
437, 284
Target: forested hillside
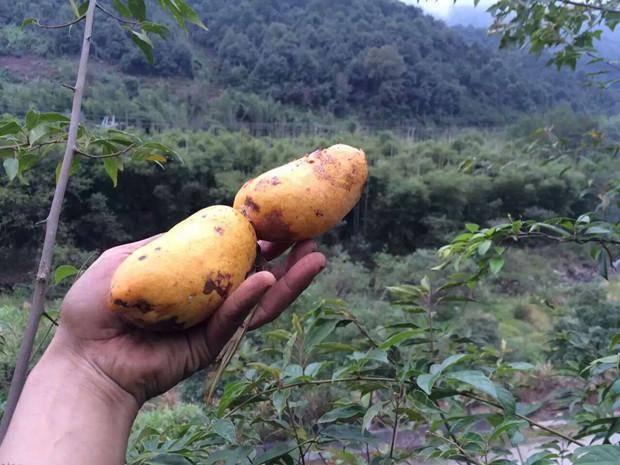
374, 61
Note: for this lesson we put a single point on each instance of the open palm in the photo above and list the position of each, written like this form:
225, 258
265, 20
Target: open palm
146, 363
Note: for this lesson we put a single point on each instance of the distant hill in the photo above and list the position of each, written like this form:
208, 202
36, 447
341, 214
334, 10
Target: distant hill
375, 60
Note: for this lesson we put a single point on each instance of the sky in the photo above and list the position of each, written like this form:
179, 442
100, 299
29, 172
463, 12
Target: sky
447, 9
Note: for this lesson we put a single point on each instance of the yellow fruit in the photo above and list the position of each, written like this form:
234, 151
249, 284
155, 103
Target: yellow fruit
305, 197
182, 277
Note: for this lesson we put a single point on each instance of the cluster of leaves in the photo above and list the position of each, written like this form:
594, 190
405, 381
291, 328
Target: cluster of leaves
568, 28
132, 16
23, 144
306, 393
485, 246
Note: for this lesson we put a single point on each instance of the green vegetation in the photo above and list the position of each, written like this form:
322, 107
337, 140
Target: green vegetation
373, 61
469, 346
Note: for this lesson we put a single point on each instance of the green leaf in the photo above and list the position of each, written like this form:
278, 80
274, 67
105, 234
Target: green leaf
597, 455
31, 119
471, 227
225, 429
121, 8
144, 44
9, 128
278, 399
112, 166
314, 368
341, 413
53, 118
82, 8
506, 400
155, 28
29, 21
63, 272
371, 413
397, 338
426, 381
319, 333
520, 366
496, 264
40, 131
598, 230
484, 247
274, 453
11, 167
138, 9
232, 391
475, 378
542, 458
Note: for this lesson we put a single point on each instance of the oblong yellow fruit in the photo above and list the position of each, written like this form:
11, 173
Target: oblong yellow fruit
305, 197
183, 276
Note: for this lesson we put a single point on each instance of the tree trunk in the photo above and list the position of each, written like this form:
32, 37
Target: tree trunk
51, 227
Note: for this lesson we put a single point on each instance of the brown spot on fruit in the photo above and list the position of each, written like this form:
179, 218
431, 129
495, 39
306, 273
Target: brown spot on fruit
143, 306
249, 202
158, 248
265, 183
143, 257
219, 230
273, 222
319, 213
220, 284
121, 303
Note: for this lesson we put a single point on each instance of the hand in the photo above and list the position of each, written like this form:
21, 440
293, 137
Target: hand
144, 363
80, 400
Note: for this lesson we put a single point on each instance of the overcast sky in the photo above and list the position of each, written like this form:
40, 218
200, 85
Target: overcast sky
444, 9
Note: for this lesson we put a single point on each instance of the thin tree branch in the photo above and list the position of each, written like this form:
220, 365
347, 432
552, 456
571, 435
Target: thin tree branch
117, 18
527, 235
471, 395
51, 227
590, 6
523, 417
26, 145
289, 412
456, 444
315, 382
396, 419
446, 424
60, 26
107, 155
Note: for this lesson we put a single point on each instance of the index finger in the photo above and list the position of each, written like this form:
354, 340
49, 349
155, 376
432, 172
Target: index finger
271, 250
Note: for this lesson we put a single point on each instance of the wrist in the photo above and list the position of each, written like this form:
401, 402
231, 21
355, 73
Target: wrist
76, 413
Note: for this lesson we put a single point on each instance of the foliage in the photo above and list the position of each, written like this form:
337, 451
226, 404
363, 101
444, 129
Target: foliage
290, 53
569, 28
409, 375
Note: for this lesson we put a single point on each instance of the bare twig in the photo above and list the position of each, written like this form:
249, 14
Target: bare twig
446, 424
399, 396
107, 155
532, 422
51, 227
60, 26
228, 353
456, 444
289, 412
590, 6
